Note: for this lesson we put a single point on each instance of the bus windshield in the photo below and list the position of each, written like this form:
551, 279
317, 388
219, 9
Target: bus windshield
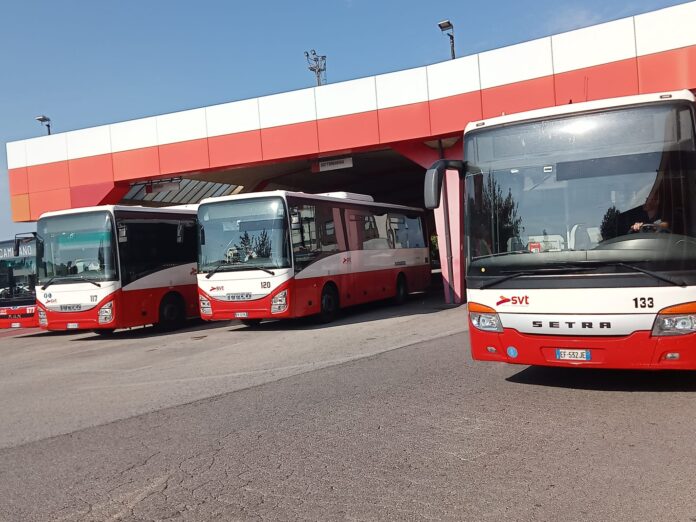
17, 274
610, 187
76, 247
243, 234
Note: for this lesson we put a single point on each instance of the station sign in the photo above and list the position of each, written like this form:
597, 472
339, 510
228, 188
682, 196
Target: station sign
332, 164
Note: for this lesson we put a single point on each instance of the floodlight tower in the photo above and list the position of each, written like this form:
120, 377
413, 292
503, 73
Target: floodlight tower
448, 28
317, 64
44, 120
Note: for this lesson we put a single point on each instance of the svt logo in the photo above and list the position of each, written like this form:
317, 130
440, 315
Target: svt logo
515, 300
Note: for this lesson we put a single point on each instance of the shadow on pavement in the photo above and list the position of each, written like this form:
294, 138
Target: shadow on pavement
148, 332
49, 333
608, 380
417, 304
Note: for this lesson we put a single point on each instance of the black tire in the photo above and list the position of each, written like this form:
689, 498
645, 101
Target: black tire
104, 332
251, 323
401, 290
329, 304
171, 313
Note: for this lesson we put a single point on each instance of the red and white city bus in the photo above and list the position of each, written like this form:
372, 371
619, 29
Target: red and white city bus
273, 255
17, 281
109, 267
580, 232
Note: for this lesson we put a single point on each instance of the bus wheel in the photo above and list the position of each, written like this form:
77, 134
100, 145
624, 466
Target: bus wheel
329, 304
171, 312
251, 323
104, 332
401, 290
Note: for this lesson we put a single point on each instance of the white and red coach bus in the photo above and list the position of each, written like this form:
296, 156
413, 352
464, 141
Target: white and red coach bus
17, 281
284, 254
580, 231
109, 267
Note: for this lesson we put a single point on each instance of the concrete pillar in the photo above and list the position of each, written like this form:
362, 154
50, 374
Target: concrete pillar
449, 218
451, 246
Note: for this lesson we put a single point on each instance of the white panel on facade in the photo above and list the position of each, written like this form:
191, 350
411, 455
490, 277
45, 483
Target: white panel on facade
596, 45
230, 118
453, 77
287, 108
402, 88
16, 154
352, 97
181, 126
666, 29
47, 149
89, 142
134, 134
516, 63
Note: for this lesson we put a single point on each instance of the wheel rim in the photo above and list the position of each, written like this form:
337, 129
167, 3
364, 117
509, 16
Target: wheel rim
169, 312
401, 289
328, 303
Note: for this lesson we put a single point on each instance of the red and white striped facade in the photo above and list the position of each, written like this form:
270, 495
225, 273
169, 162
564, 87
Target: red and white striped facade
652, 52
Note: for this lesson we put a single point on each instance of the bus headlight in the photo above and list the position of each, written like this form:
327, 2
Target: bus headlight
280, 302
675, 320
484, 318
204, 305
43, 320
106, 313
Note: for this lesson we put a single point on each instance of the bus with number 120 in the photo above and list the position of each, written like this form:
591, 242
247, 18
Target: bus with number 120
279, 254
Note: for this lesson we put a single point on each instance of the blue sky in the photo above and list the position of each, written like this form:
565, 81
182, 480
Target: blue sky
86, 63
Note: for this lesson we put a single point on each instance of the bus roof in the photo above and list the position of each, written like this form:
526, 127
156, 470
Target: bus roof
571, 108
343, 197
178, 209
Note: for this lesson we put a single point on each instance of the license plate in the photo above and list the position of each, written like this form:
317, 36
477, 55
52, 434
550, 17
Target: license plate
573, 355
15, 325
73, 326
241, 314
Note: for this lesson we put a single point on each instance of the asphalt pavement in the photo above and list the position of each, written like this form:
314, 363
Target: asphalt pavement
415, 432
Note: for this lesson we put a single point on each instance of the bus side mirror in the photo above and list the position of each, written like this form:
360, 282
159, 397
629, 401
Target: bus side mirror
434, 177
15, 251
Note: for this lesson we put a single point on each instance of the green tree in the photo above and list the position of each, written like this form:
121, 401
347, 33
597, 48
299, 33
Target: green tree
494, 215
262, 244
610, 223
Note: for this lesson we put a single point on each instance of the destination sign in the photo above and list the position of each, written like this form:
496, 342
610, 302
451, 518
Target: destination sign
26, 249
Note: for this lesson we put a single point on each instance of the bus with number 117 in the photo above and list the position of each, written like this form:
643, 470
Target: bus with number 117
110, 267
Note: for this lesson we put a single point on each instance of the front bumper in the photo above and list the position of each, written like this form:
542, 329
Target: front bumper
254, 309
638, 350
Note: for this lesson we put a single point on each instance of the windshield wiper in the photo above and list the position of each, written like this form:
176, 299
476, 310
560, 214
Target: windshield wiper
500, 254
88, 280
235, 267
650, 273
241, 268
216, 269
48, 283
68, 278
513, 275
581, 266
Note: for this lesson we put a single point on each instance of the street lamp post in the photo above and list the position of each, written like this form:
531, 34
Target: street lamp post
44, 120
447, 28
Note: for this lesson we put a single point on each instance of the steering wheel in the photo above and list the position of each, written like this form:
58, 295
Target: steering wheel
651, 227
